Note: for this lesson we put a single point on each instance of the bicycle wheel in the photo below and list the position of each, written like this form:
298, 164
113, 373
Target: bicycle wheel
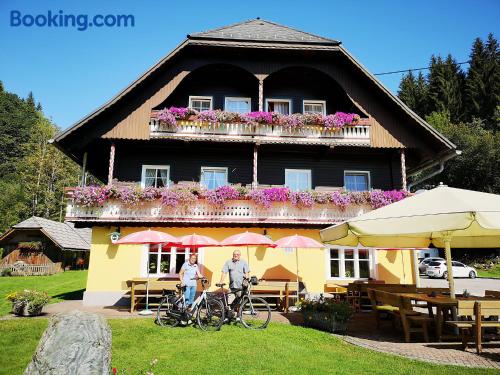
254, 313
164, 316
210, 315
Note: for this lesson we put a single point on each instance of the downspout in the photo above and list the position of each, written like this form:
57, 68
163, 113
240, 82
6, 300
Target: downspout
439, 163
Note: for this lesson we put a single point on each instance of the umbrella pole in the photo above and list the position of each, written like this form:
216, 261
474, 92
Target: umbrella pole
248, 257
447, 252
416, 272
297, 263
147, 311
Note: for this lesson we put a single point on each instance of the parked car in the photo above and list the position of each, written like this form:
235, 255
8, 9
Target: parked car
422, 266
438, 269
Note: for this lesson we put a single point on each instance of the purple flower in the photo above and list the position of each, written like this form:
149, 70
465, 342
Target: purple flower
341, 200
166, 117
128, 195
302, 199
209, 116
260, 117
220, 195
169, 197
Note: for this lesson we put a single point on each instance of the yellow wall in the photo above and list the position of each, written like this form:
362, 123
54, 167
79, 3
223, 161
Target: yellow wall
112, 265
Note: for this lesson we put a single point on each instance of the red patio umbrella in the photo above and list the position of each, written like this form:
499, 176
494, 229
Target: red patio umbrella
297, 241
195, 241
148, 237
248, 239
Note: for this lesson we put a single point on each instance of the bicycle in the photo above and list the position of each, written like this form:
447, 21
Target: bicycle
173, 311
253, 312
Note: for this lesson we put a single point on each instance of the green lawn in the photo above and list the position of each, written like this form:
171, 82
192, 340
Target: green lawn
280, 349
62, 286
18, 341
493, 272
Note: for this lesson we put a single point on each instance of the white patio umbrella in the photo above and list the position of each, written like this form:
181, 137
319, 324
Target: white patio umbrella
442, 216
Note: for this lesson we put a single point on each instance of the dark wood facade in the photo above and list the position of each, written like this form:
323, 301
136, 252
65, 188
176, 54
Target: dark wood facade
282, 69
327, 165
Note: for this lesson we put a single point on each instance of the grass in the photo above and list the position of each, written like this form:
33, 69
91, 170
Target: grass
279, 349
493, 272
62, 286
18, 340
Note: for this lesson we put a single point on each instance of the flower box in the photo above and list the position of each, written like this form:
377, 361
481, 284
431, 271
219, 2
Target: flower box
324, 321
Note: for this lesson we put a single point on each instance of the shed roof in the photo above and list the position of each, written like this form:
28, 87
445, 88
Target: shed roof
64, 235
263, 31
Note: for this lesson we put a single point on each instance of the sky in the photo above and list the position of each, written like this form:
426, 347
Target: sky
72, 72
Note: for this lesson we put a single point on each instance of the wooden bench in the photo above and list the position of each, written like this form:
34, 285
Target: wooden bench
138, 290
473, 328
281, 291
400, 308
358, 297
492, 293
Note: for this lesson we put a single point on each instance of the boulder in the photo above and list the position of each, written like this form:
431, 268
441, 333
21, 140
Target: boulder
74, 343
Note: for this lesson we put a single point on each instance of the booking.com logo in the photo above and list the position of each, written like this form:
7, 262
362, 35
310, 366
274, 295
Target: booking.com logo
80, 21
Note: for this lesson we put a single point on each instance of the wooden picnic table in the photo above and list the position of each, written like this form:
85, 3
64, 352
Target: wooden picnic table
281, 290
442, 303
156, 286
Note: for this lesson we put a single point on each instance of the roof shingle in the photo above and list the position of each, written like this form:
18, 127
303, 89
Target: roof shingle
263, 31
64, 234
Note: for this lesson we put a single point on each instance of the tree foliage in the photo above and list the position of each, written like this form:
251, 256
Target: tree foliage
465, 107
33, 173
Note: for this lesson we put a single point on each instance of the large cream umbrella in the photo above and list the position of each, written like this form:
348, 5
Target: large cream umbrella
442, 216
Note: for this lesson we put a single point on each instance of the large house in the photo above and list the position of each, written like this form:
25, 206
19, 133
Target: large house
303, 133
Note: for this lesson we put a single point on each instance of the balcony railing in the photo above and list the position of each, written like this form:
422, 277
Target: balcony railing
263, 133
234, 212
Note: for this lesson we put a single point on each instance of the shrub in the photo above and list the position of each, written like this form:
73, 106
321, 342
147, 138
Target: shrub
33, 300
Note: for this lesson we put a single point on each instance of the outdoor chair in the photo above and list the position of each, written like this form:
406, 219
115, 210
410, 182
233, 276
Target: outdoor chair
401, 309
473, 328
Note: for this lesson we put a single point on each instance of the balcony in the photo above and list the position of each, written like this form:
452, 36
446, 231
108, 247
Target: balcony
201, 212
349, 135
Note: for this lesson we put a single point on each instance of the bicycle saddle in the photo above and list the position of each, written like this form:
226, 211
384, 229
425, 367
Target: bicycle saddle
220, 285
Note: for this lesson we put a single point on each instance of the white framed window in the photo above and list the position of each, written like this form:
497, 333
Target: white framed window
314, 106
213, 177
298, 179
281, 106
239, 105
201, 103
155, 176
349, 263
166, 260
357, 180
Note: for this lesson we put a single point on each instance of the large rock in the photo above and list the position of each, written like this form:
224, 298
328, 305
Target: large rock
74, 343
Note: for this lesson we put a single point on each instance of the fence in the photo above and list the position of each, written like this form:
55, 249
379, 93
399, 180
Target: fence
23, 269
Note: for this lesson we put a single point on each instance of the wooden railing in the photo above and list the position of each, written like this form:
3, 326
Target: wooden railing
238, 211
262, 133
24, 269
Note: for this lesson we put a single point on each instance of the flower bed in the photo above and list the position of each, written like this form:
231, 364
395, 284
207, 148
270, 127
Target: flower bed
326, 314
334, 121
188, 195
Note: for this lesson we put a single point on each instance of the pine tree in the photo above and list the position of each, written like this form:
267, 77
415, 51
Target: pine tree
413, 92
475, 85
31, 100
446, 83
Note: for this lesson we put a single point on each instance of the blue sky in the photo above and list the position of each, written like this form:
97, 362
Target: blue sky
73, 72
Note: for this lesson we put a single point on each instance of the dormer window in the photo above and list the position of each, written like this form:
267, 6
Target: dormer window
239, 105
281, 106
200, 103
314, 106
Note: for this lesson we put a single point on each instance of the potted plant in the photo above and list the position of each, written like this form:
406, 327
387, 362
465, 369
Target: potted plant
28, 302
326, 314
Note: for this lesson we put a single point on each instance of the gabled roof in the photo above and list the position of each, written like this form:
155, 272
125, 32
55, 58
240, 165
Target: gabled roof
64, 235
263, 31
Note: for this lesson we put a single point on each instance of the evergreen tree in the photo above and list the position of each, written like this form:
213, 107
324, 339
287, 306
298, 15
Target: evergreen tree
413, 92
446, 82
475, 85
31, 100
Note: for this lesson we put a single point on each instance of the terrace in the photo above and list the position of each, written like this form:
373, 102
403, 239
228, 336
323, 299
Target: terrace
355, 135
225, 205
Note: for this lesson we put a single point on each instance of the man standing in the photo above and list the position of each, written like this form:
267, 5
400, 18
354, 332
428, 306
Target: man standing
237, 269
187, 275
